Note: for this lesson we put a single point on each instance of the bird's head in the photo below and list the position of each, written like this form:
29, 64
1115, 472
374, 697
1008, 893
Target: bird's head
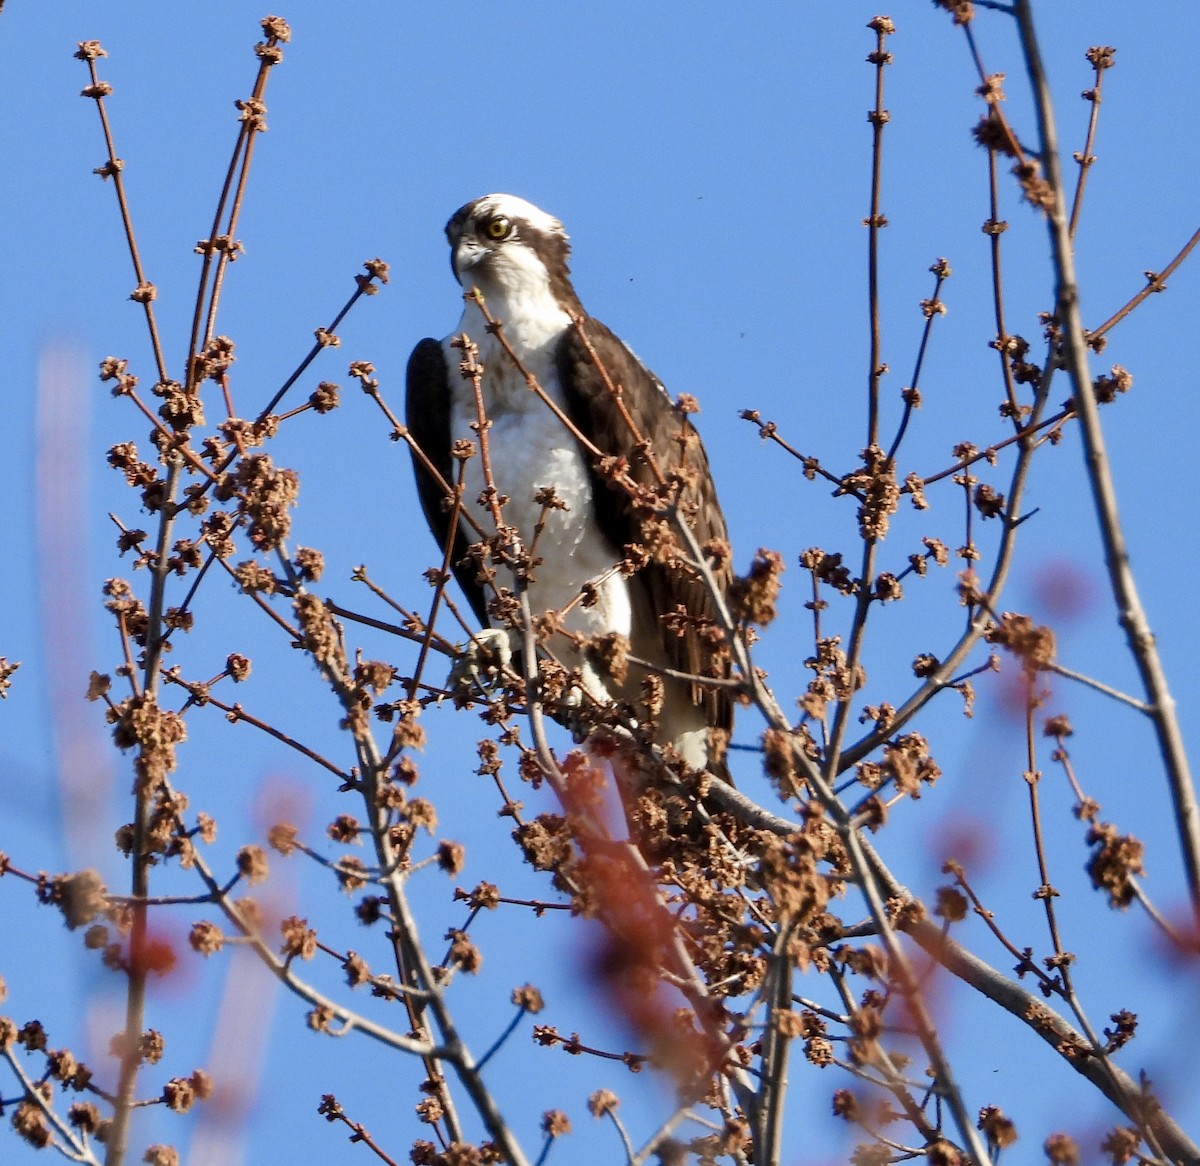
513, 251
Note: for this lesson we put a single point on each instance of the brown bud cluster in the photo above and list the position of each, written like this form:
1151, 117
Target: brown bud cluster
1115, 860
752, 597
1031, 643
876, 484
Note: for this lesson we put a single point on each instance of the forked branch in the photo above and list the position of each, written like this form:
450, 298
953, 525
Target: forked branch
1140, 638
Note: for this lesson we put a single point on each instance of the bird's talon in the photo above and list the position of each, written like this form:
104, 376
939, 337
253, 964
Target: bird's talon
481, 663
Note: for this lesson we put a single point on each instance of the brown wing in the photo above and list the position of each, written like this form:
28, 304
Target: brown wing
427, 415
593, 408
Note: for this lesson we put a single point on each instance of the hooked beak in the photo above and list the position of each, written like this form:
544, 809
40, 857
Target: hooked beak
466, 255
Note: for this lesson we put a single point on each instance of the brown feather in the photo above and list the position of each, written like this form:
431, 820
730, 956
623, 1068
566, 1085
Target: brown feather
595, 410
427, 415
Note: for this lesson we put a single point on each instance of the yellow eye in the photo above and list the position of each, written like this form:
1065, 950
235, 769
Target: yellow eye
497, 228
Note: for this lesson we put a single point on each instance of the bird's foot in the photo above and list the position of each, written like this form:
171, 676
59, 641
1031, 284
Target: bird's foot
481, 663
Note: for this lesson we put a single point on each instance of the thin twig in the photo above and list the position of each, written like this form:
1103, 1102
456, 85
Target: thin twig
1101, 62
656, 1139
443, 577
875, 222
1156, 281
1098, 685
1033, 1011
235, 713
71, 1146
1132, 617
950, 664
363, 287
932, 308
114, 169
1045, 891
988, 452
994, 228
769, 431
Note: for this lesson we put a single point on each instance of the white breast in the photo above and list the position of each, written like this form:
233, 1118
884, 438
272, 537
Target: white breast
530, 449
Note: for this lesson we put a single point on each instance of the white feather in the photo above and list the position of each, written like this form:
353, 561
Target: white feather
529, 446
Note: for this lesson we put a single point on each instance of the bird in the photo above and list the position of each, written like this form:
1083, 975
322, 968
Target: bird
587, 472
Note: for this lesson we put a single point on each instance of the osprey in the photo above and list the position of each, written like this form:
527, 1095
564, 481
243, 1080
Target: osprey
607, 559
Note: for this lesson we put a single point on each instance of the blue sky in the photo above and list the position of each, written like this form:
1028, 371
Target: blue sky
712, 170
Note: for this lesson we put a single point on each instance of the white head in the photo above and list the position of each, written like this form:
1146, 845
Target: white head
512, 250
